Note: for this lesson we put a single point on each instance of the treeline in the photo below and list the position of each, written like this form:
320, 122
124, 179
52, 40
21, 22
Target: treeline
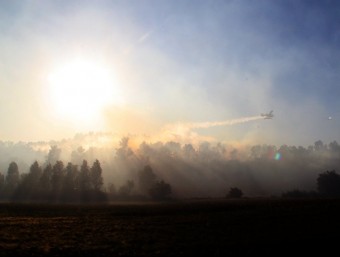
206, 169
328, 186
59, 183
260, 170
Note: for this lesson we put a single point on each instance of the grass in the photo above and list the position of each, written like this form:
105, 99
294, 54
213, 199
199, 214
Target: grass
201, 228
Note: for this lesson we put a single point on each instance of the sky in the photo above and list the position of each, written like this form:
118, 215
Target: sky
155, 68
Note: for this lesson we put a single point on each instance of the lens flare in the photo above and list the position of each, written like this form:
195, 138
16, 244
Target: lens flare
277, 156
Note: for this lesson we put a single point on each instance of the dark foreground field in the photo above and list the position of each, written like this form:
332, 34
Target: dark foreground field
199, 228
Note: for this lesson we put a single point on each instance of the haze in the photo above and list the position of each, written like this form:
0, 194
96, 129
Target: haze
170, 62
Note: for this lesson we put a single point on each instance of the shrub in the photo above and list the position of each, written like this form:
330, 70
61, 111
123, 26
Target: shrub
235, 192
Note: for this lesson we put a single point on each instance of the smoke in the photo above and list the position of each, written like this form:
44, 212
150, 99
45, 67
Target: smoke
185, 132
221, 123
202, 170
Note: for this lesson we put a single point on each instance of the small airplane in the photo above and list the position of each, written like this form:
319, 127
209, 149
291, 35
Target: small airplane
268, 116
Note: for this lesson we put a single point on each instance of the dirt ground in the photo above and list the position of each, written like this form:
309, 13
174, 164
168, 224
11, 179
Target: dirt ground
185, 228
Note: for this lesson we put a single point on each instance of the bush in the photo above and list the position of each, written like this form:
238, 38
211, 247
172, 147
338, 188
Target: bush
234, 192
329, 184
160, 190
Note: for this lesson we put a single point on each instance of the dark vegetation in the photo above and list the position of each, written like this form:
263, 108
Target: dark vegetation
181, 172
57, 183
328, 185
136, 218
234, 192
68, 184
189, 228
54, 183
202, 170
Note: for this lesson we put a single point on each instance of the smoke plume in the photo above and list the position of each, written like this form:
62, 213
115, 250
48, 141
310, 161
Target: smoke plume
185, 132
221, 123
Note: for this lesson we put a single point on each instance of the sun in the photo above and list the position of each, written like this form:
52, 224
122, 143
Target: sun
81, 89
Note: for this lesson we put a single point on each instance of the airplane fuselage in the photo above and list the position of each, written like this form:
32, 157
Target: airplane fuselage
267, 116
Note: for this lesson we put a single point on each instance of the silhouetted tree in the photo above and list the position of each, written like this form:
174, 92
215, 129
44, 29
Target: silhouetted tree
84, 177
146, 179
235, 192
319, 146
35, 172
85, 183
53, 155
334, 147
256, 151
124, 150
71, 183
45, 183
126, 190
33, 178
189, 151
12, 179
78, 155
2, 185
96, 176
112, 190
28, 189
57, 180
329, 184
2, 180
160, 190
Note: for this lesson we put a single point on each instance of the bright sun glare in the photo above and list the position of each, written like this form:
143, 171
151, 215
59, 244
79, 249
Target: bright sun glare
81, 89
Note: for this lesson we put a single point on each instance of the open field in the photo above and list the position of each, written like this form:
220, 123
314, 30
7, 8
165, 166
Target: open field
199, 227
